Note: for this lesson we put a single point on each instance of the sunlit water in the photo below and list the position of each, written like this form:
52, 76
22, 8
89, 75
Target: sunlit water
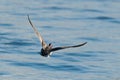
61, 22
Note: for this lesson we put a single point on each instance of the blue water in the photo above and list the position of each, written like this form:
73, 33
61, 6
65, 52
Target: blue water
62, 22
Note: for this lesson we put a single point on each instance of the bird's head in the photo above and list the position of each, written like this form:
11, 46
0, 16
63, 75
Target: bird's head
50, 45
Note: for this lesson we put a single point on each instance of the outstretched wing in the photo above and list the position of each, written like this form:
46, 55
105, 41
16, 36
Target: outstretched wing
38, 34
64, 47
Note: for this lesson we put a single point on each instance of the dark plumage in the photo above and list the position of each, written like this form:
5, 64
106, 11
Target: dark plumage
47, 49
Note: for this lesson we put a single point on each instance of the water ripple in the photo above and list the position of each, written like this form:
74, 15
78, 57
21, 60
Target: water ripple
73, 68
9, 61
19, 43
115, 21
3, 73
57, 8
91, 39
92, 10
5, 24
4, 33
102, 18
83, 54
100, 52
60, 67
48, 27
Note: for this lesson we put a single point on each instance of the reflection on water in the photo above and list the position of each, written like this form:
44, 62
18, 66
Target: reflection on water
63, 22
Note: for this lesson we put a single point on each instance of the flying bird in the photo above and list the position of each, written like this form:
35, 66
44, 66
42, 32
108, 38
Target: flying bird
47, 49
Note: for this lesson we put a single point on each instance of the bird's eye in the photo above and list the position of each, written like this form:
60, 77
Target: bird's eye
49, 44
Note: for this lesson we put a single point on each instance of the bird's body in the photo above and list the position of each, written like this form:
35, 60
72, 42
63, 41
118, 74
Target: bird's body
48, 49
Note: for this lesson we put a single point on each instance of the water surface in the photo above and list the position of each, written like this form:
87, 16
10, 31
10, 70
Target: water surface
62, 22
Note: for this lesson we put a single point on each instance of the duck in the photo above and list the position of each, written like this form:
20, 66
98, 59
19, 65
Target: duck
47, 49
